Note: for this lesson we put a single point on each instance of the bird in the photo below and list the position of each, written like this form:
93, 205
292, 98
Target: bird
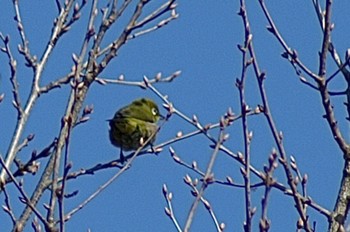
134, 124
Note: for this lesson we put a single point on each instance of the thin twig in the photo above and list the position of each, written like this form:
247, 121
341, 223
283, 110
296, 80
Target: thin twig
240, 83
13, 78
26, 199
141, 84
66, 167
162, 23
207, 178
326, 40
24, 48
169, 210
195, 192
168, 6
331, 48
292, 53
155, 14
7, 208
129, 29
193, 167
306, 200
113, 16
57, 83
31, 166
25, 142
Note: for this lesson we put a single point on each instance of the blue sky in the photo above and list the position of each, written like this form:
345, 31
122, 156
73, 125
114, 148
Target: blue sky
202, 43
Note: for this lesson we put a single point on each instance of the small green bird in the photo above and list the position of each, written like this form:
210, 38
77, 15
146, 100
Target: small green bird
134, 124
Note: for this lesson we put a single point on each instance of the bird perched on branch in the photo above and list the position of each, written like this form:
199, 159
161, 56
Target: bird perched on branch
134, 124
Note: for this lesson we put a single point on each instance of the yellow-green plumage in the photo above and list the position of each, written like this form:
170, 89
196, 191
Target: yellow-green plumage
134, 123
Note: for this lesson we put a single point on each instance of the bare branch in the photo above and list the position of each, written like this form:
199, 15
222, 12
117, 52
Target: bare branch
169, 210
57, 83
168, 6
291, 53
266, 109
38, 68
112, 49
121, 80
25, 200
7, 207
24, 48
162, 23
208, 176
155, 14
195, 192
264, 224
278, 185
247, 136
13, 67
326, 40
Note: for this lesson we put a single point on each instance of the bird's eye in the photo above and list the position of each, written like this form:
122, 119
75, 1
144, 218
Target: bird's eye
154, 111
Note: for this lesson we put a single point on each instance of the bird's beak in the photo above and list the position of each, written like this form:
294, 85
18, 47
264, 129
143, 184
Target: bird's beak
161, 117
